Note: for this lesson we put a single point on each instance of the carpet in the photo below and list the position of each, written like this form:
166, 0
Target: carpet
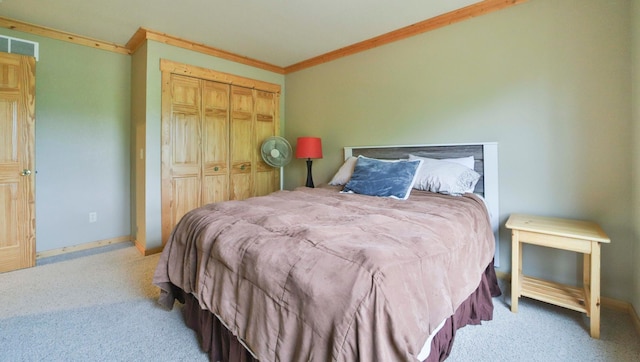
102, 307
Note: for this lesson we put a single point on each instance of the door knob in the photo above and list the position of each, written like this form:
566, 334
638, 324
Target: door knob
25, 172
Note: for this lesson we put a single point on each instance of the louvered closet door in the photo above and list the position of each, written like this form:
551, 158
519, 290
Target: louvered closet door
241, 142
181, 143
266, 178
215, 142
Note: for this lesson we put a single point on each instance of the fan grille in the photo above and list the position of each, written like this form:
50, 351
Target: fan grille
276, 151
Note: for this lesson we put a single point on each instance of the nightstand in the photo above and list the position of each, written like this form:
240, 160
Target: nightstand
574, 235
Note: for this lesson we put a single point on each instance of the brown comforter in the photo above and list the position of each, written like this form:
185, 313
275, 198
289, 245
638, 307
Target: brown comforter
316, 275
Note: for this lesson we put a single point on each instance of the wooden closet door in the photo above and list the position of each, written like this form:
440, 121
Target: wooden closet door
266, 178
17, 184
241, 142
212, 127
181, 159
215, 142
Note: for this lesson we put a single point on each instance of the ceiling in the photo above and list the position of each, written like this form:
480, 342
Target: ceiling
279, 32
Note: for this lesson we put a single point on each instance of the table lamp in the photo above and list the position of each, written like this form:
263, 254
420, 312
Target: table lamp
309, 147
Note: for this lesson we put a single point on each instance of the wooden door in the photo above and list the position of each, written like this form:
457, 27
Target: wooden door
211, 139
215, 142
266, 178
17, 162
181, 151
241, 143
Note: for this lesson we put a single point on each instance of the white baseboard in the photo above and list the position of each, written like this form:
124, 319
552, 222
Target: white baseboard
85, 246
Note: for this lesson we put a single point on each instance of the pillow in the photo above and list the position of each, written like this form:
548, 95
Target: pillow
383, 178
468, 162
445, 177
344, 172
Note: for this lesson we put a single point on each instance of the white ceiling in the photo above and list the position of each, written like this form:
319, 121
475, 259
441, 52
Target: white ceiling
279, 32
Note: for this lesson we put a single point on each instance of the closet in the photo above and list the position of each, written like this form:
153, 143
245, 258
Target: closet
213, 125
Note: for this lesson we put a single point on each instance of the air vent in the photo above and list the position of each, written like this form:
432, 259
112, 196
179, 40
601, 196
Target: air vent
18, 46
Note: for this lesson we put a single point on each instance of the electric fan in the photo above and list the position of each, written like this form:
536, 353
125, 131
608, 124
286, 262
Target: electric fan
276, 151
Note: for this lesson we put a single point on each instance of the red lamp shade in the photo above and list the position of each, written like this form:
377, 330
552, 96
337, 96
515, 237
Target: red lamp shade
309, 147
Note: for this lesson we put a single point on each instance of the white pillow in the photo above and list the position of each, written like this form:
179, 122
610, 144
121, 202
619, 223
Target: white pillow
344, 173
468, 162
445, 177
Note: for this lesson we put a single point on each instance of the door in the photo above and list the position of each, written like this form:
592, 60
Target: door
241, 145
267, 178
181, 153
215, 142
17, 160
195, 167
211, 139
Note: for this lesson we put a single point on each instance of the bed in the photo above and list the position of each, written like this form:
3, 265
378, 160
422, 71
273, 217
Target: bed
323, 274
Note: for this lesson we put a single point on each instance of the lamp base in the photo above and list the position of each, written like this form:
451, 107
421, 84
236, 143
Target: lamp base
309, 177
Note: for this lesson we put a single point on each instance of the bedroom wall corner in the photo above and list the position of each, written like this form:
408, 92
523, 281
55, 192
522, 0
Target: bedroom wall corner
138, 146
635, 25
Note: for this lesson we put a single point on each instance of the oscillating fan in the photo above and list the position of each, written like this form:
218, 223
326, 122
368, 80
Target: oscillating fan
276, 151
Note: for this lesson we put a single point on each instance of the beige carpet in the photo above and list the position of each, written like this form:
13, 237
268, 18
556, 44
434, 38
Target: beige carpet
102, 308
94, 308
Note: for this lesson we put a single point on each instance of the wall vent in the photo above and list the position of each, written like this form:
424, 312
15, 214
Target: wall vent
18, 46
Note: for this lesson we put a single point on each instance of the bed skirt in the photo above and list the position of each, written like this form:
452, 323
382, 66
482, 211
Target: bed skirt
223, 346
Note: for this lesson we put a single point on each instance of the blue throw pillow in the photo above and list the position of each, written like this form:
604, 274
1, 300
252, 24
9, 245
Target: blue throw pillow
383, 178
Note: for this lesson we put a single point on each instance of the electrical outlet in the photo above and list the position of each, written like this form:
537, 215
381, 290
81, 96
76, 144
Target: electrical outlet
93, 216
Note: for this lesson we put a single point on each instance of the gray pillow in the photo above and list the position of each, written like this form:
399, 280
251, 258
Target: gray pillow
386, 178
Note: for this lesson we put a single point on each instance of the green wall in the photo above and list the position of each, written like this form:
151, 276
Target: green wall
548, 80
154, 52
635, 15
82, 143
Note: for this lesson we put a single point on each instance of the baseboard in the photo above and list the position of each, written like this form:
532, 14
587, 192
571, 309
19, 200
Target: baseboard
634, 317
610, 303
623, 307
153, 251
146, 252
85, 246
139, 246
504, 276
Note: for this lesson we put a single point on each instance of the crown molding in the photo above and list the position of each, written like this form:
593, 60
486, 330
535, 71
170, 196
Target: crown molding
142, 35
62, 35
146, 34
468, 12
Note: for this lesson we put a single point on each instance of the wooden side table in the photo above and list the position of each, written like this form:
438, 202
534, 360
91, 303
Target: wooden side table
574, 235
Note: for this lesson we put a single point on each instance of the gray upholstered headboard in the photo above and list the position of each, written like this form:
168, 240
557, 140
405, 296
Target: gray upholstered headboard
486, 164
